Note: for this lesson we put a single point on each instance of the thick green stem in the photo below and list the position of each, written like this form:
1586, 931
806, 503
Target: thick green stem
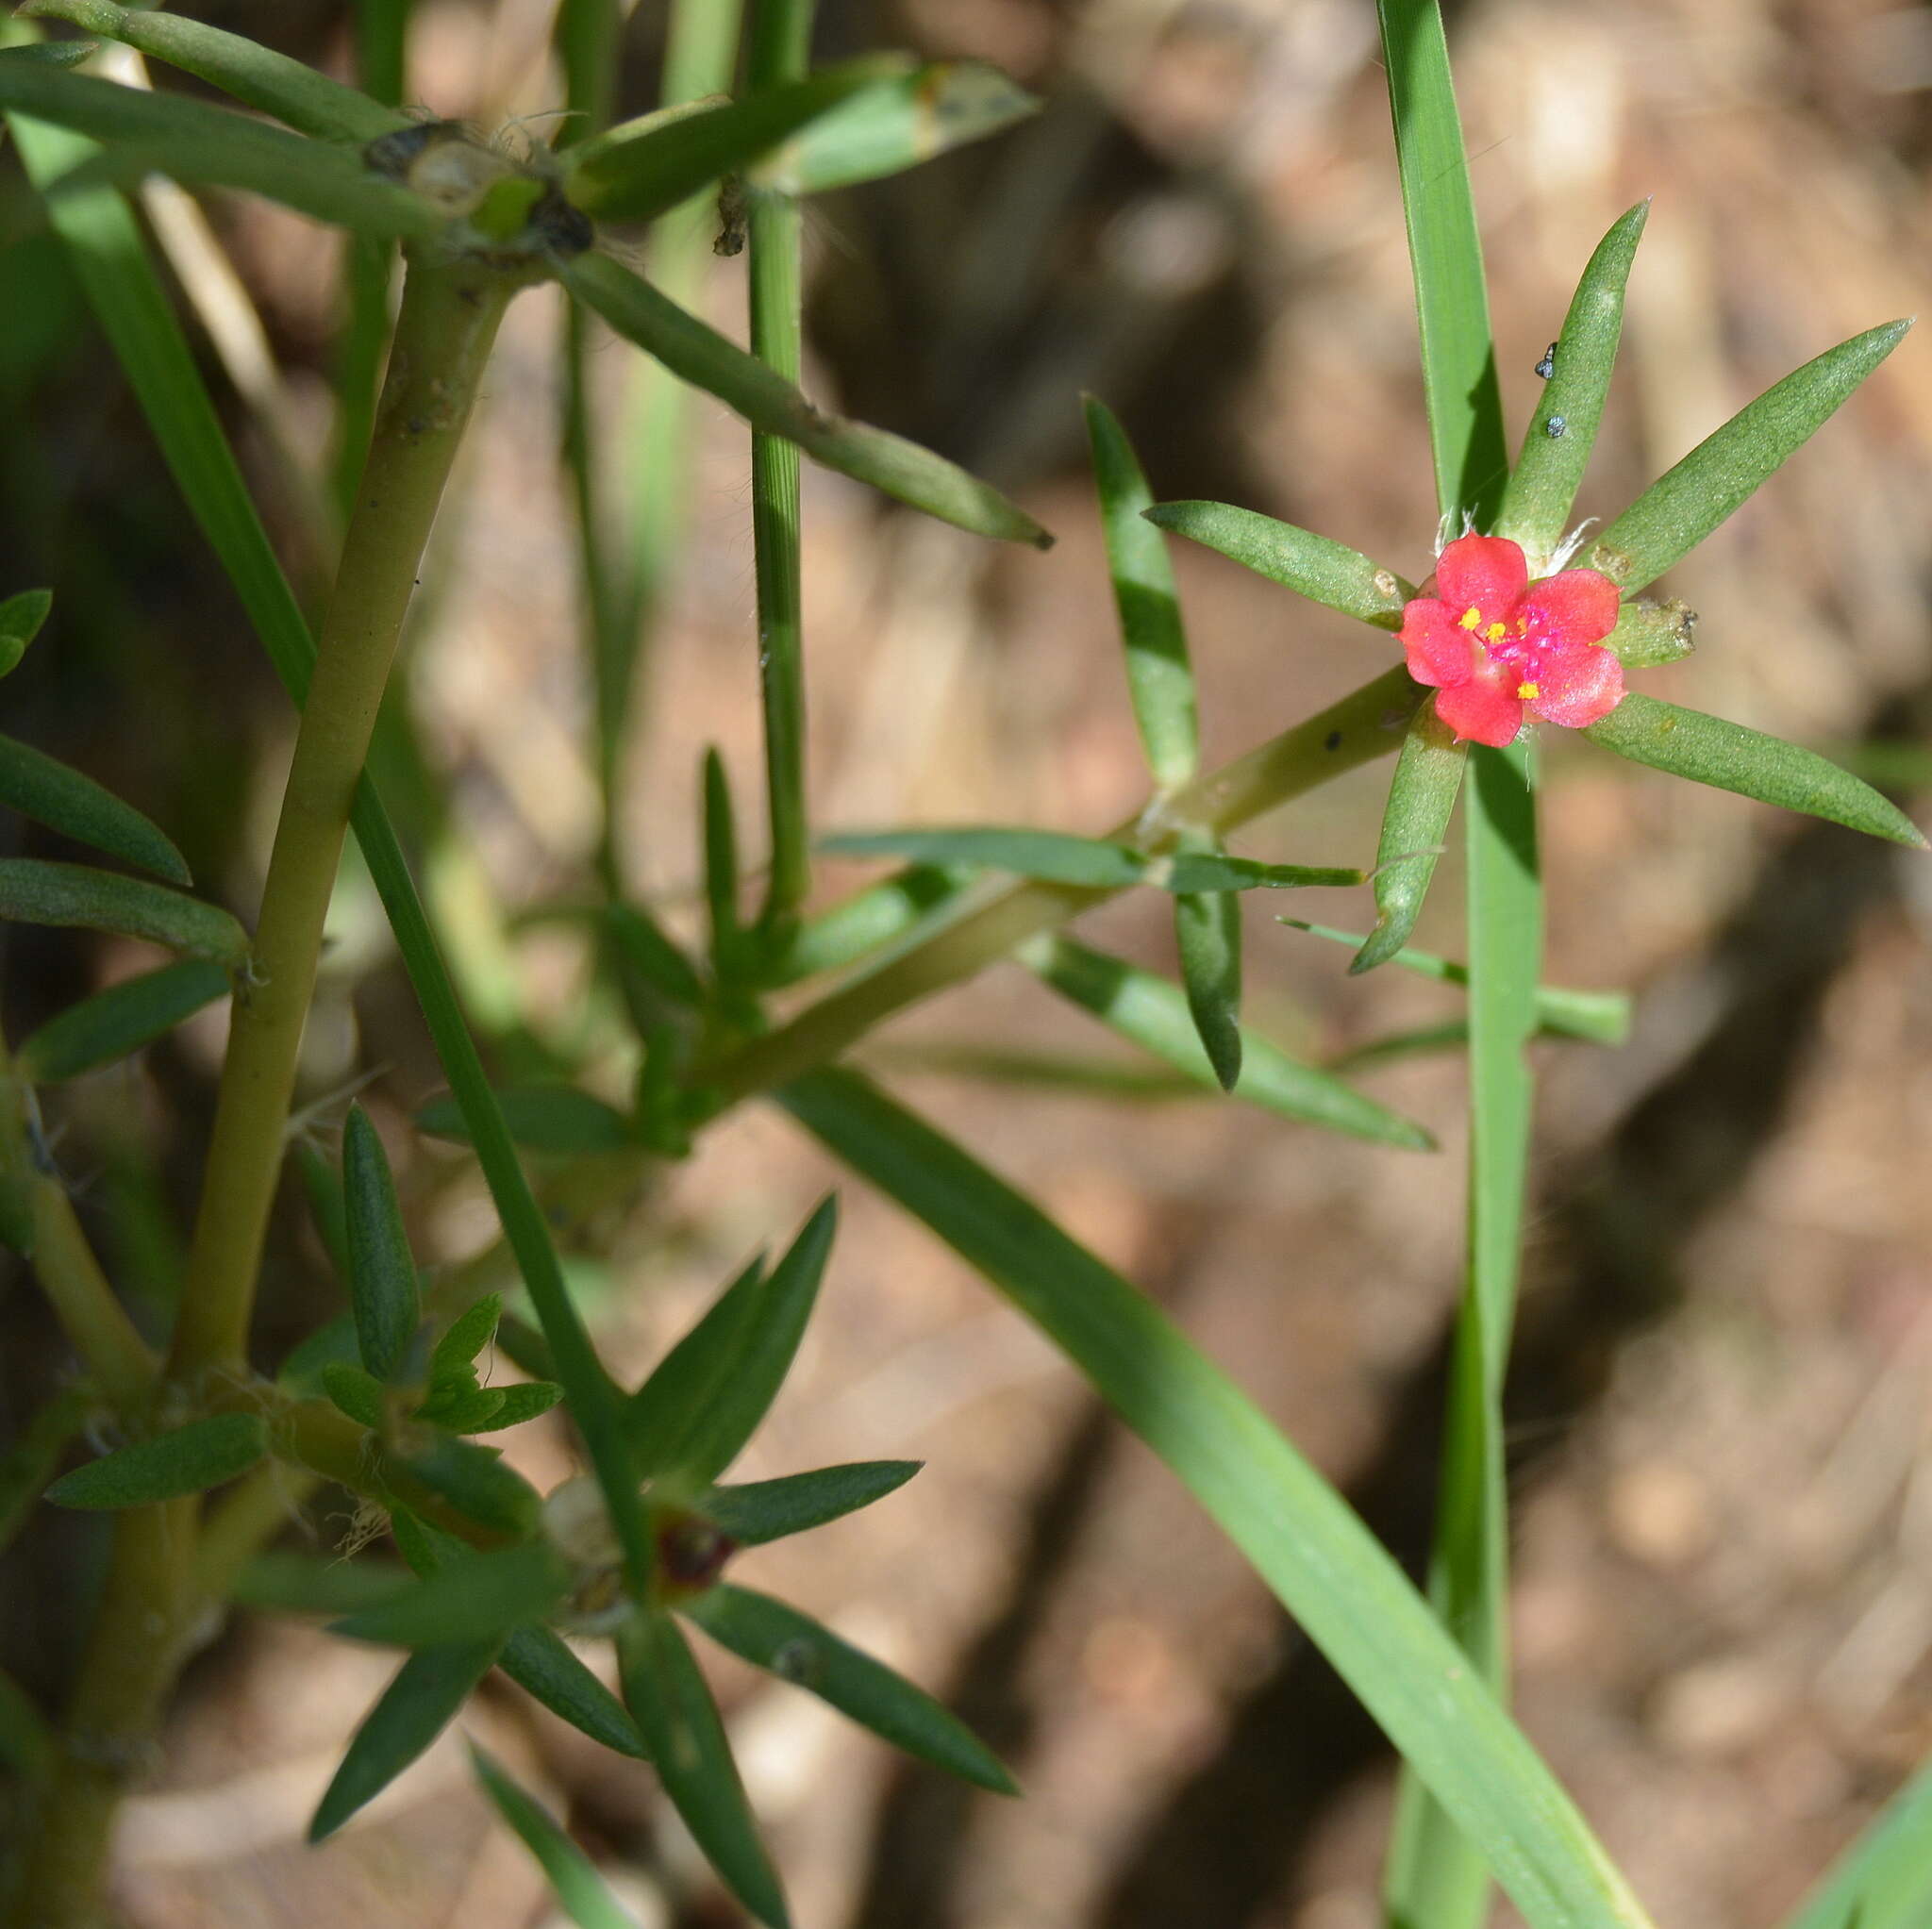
780, 52
977, 927
140, 1639
444, 334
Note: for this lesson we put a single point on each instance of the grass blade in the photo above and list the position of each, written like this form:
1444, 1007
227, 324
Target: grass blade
1562, 429
1435, 1873
1160, 679
573, 1880
61, 798
1316, 1555
1685, 503
1144, 1008
793, 1646
1451, 304
1884, 1880
1415, 820
1709, 750
699, 355
118, 1020
679, 1720
1313, 566
414, 1709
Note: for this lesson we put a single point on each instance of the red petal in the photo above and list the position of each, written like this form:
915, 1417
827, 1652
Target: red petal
1438, 649
1483, 709
1484, 571
1578, 607
1578, 687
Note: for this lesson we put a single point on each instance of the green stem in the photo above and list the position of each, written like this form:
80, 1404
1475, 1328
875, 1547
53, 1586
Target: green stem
974, 928
444, 334
780, 52
141, 1637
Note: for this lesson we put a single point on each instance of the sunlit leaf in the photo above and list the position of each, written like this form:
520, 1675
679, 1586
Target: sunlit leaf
1709, 750
1314, 566
1685, 503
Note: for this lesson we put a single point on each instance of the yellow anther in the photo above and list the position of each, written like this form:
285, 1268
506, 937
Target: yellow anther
1470, 617
1527, 692
1522, 626
1496, 632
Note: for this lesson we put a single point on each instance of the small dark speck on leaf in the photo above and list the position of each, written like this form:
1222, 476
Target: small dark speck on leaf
1332, 741
1547, 367
1556, 426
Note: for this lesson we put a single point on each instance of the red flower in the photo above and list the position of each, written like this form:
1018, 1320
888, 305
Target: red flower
1495, 644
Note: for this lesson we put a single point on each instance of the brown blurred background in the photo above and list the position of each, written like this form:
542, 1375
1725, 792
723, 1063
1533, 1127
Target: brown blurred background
1724, 1567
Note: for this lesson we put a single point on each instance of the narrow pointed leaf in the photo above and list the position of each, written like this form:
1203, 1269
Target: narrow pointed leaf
580, 1892
382, 1272
1602, 1017
1160, 679
21, 615
1709, 750
479, 1597
770, 1344
893, 125
539, 1661
462, 1410
643, 948
641, 170
528, 1400
1313, 566
36, 1449
469, 1333
1154, 1013
761, 1511
289, 1582
204, 146
679, 1720
306, 101
700, 356
52, 53
1207, 940
191, 1459
797, 1649
1649, 633
693, 1375
415, 1709
1685, 503
353, 1391
1349, 1596
1421, 798
77, 807
118, 1020
541, 1118
1210, 870
1562, 428
477, 1483
33, 892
